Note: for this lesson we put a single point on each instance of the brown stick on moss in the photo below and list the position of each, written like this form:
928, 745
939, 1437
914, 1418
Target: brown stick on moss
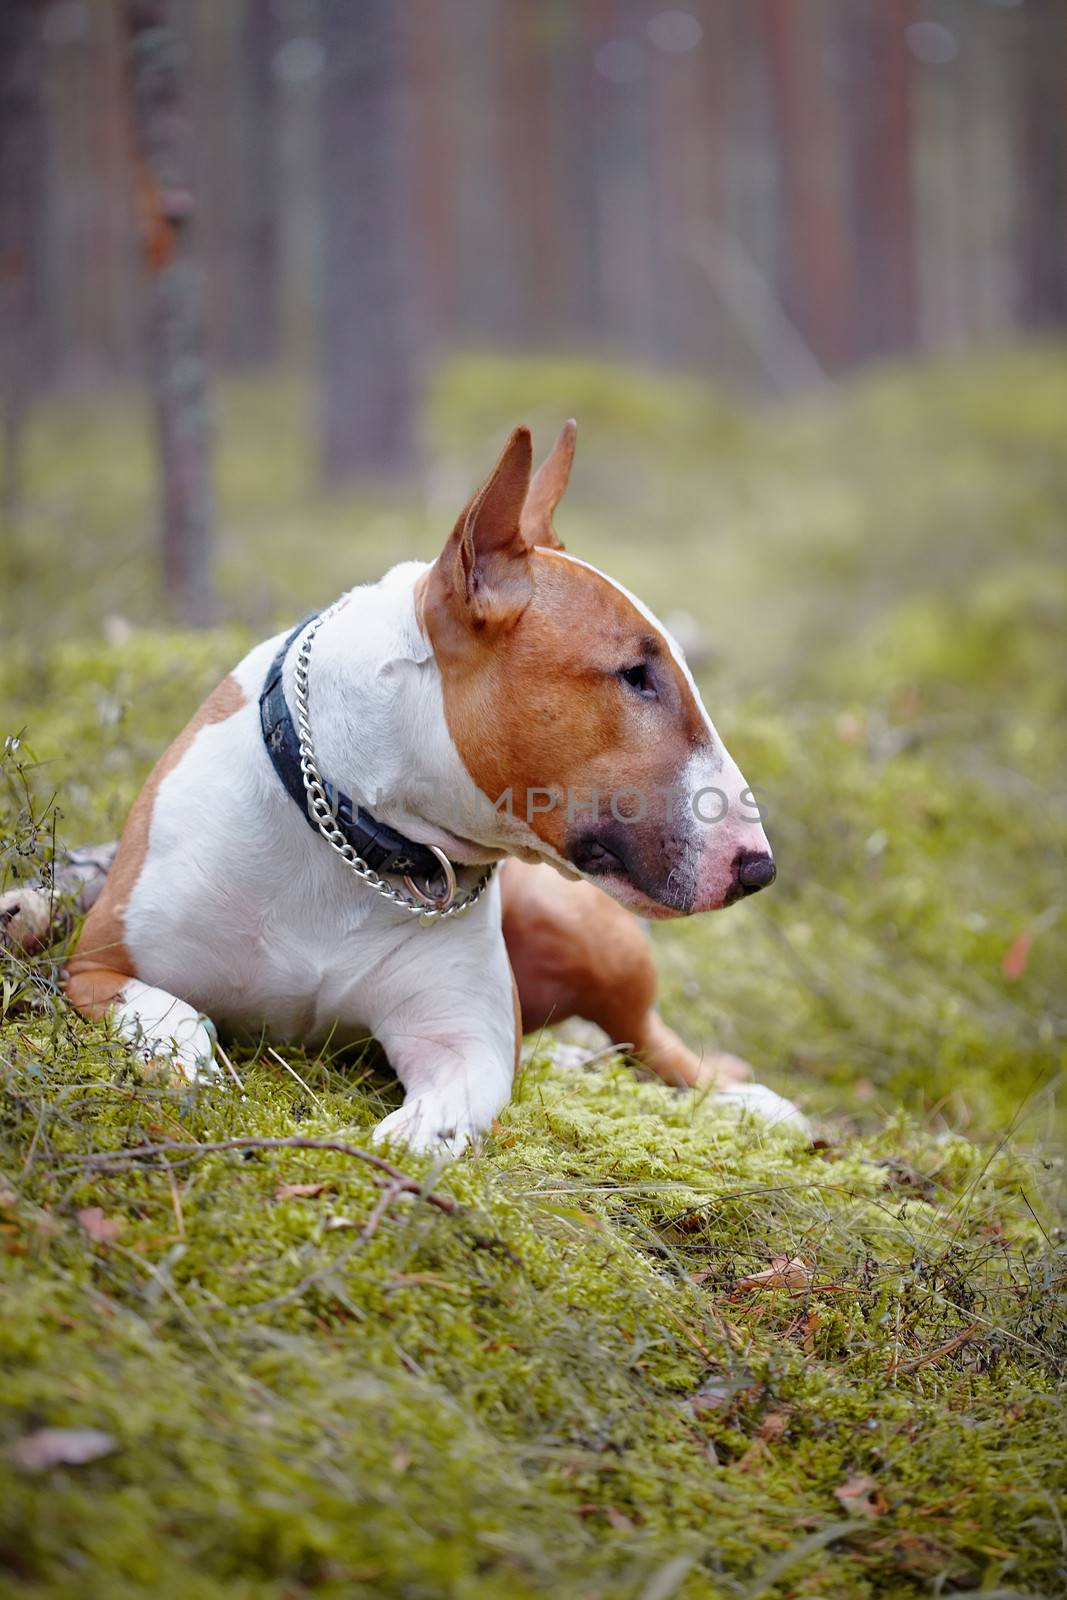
399, 1182
113, 1160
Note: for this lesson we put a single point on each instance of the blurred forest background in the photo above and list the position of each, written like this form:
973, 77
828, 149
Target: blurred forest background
763, 192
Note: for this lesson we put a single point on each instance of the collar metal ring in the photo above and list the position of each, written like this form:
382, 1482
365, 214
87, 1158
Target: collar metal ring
438, 902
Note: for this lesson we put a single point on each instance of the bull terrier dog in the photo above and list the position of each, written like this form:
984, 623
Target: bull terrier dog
518, 761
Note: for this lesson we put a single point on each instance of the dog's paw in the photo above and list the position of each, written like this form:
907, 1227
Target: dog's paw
759, 1101
174, 1070
179, 1062
428, 1123
719, 1071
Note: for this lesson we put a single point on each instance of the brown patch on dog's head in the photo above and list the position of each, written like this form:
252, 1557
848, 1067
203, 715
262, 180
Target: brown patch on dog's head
558, 686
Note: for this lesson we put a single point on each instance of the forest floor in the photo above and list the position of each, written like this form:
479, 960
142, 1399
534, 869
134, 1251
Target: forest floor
656, 1351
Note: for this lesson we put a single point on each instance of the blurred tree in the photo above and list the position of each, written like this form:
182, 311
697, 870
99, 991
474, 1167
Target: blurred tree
814, 245
878, 153
488, 290
368, 373
425, 41
574, 85
20, 180
740, 186
526, 125
255, 342
1044, 111
620, 132
177, 371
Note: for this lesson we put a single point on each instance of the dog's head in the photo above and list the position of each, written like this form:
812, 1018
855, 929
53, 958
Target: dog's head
573, 710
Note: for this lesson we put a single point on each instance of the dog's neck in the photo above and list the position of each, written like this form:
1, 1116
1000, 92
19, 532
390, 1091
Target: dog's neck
377, 717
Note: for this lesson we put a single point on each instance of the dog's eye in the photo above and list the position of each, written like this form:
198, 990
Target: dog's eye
638, 678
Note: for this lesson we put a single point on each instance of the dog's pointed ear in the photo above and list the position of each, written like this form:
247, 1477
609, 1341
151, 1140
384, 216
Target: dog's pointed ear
546, 490
483, 573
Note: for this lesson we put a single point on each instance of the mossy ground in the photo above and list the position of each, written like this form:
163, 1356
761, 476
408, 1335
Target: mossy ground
563, 1391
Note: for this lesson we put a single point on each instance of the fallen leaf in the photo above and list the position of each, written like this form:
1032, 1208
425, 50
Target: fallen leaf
61, 1447
98, 1227
615, 1518
713, 1395
773, 1426
784, 1272
861, 1497
850, 728
335, 1222
1013, 962
908, 702
725, 1393
303, 1191
585, 1219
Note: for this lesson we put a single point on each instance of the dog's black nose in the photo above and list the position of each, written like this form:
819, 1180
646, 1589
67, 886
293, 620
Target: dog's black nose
754, 871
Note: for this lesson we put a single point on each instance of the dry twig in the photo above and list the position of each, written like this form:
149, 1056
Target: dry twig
389, 1193
947, 1349
401, 1182
117, 1160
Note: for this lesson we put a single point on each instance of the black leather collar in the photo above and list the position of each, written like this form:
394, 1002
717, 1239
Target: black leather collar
379, 846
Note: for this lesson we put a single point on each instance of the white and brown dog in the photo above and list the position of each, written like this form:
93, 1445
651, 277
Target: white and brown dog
507, 701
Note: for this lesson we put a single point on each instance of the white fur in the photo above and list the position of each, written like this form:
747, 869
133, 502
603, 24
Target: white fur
241, 909
159, 1026
757, 1100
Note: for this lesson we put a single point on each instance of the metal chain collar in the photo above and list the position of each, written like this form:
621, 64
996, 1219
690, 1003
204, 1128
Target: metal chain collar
425, 907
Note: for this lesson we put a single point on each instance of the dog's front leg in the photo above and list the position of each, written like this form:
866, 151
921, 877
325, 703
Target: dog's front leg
166, 1033
454, 1087
455, 1083
454, 1046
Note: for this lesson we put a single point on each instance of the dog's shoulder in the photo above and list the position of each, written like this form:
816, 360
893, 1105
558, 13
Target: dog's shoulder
103, 940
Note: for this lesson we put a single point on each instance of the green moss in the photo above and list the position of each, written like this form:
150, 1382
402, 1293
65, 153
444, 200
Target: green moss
563, 1390
556, 1392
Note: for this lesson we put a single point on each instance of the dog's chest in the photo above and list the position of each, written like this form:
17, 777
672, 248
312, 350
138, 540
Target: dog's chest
301, 972
304, 985
253, 924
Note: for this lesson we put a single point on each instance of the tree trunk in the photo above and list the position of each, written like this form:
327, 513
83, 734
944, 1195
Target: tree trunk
177, 372
1044, 176
425, 44
369, 384
879, 142
254, 334
814, 245
20, 165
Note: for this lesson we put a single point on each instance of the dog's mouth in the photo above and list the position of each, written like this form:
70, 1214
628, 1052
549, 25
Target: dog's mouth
594, 857
615, 864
